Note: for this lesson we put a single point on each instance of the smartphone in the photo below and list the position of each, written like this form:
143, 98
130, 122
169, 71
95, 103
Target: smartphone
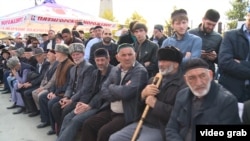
79, 23
209, 50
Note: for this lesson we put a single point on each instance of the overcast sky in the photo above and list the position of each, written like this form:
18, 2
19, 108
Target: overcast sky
154, 11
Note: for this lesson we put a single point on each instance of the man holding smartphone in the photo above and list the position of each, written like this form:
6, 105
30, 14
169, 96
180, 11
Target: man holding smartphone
211, 40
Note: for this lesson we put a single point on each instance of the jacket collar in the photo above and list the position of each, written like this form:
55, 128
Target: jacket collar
207, 100
184, 36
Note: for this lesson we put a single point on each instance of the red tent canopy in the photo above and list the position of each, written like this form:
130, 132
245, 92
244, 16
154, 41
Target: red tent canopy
49, 15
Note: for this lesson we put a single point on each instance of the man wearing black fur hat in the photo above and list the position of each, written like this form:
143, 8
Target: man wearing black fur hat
161, 100
211, 40
203, 102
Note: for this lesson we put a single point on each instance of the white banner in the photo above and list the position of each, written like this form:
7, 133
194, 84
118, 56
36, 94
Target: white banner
25, 30
53, 20
12, 21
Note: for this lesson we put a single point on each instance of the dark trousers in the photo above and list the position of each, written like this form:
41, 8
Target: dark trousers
43, 104
100, 126
58, 113
246, 112
1, 75
46, 109
5, 82
24, 100
29, 101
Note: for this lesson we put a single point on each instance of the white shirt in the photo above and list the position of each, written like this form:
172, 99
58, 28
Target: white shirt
49, 45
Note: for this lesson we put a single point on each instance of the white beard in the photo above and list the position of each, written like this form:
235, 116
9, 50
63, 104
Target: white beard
79, 61
167, 70
203, 92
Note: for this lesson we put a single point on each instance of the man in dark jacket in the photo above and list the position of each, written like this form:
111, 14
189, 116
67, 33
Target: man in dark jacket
121, 91
107, 44
145, 49
79, 88
128, 37
211, 40
203, 102
74, 120
29, 57
234, 61
161, 100
58, 89
158, 35
47, 81
34, 83
68, 38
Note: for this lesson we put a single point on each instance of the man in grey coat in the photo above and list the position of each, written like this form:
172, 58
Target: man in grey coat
121, 92
74, 120
203, 102
79, 86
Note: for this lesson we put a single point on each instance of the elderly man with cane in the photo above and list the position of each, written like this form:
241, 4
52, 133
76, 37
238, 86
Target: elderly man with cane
160, 100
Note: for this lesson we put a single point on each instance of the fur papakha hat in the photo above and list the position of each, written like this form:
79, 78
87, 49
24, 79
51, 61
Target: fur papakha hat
62, 48
170, 53
76, 47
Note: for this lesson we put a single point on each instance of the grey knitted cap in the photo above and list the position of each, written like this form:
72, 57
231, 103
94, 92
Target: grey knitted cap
76, 47
12, 62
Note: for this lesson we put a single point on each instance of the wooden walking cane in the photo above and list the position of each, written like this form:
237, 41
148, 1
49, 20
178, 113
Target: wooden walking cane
157, 81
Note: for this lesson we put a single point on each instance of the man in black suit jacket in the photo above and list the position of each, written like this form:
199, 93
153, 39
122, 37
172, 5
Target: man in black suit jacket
34, 82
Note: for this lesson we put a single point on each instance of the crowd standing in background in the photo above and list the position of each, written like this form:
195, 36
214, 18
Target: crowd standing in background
98, 87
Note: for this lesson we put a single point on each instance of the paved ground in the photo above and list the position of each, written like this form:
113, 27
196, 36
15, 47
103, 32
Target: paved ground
20, 127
